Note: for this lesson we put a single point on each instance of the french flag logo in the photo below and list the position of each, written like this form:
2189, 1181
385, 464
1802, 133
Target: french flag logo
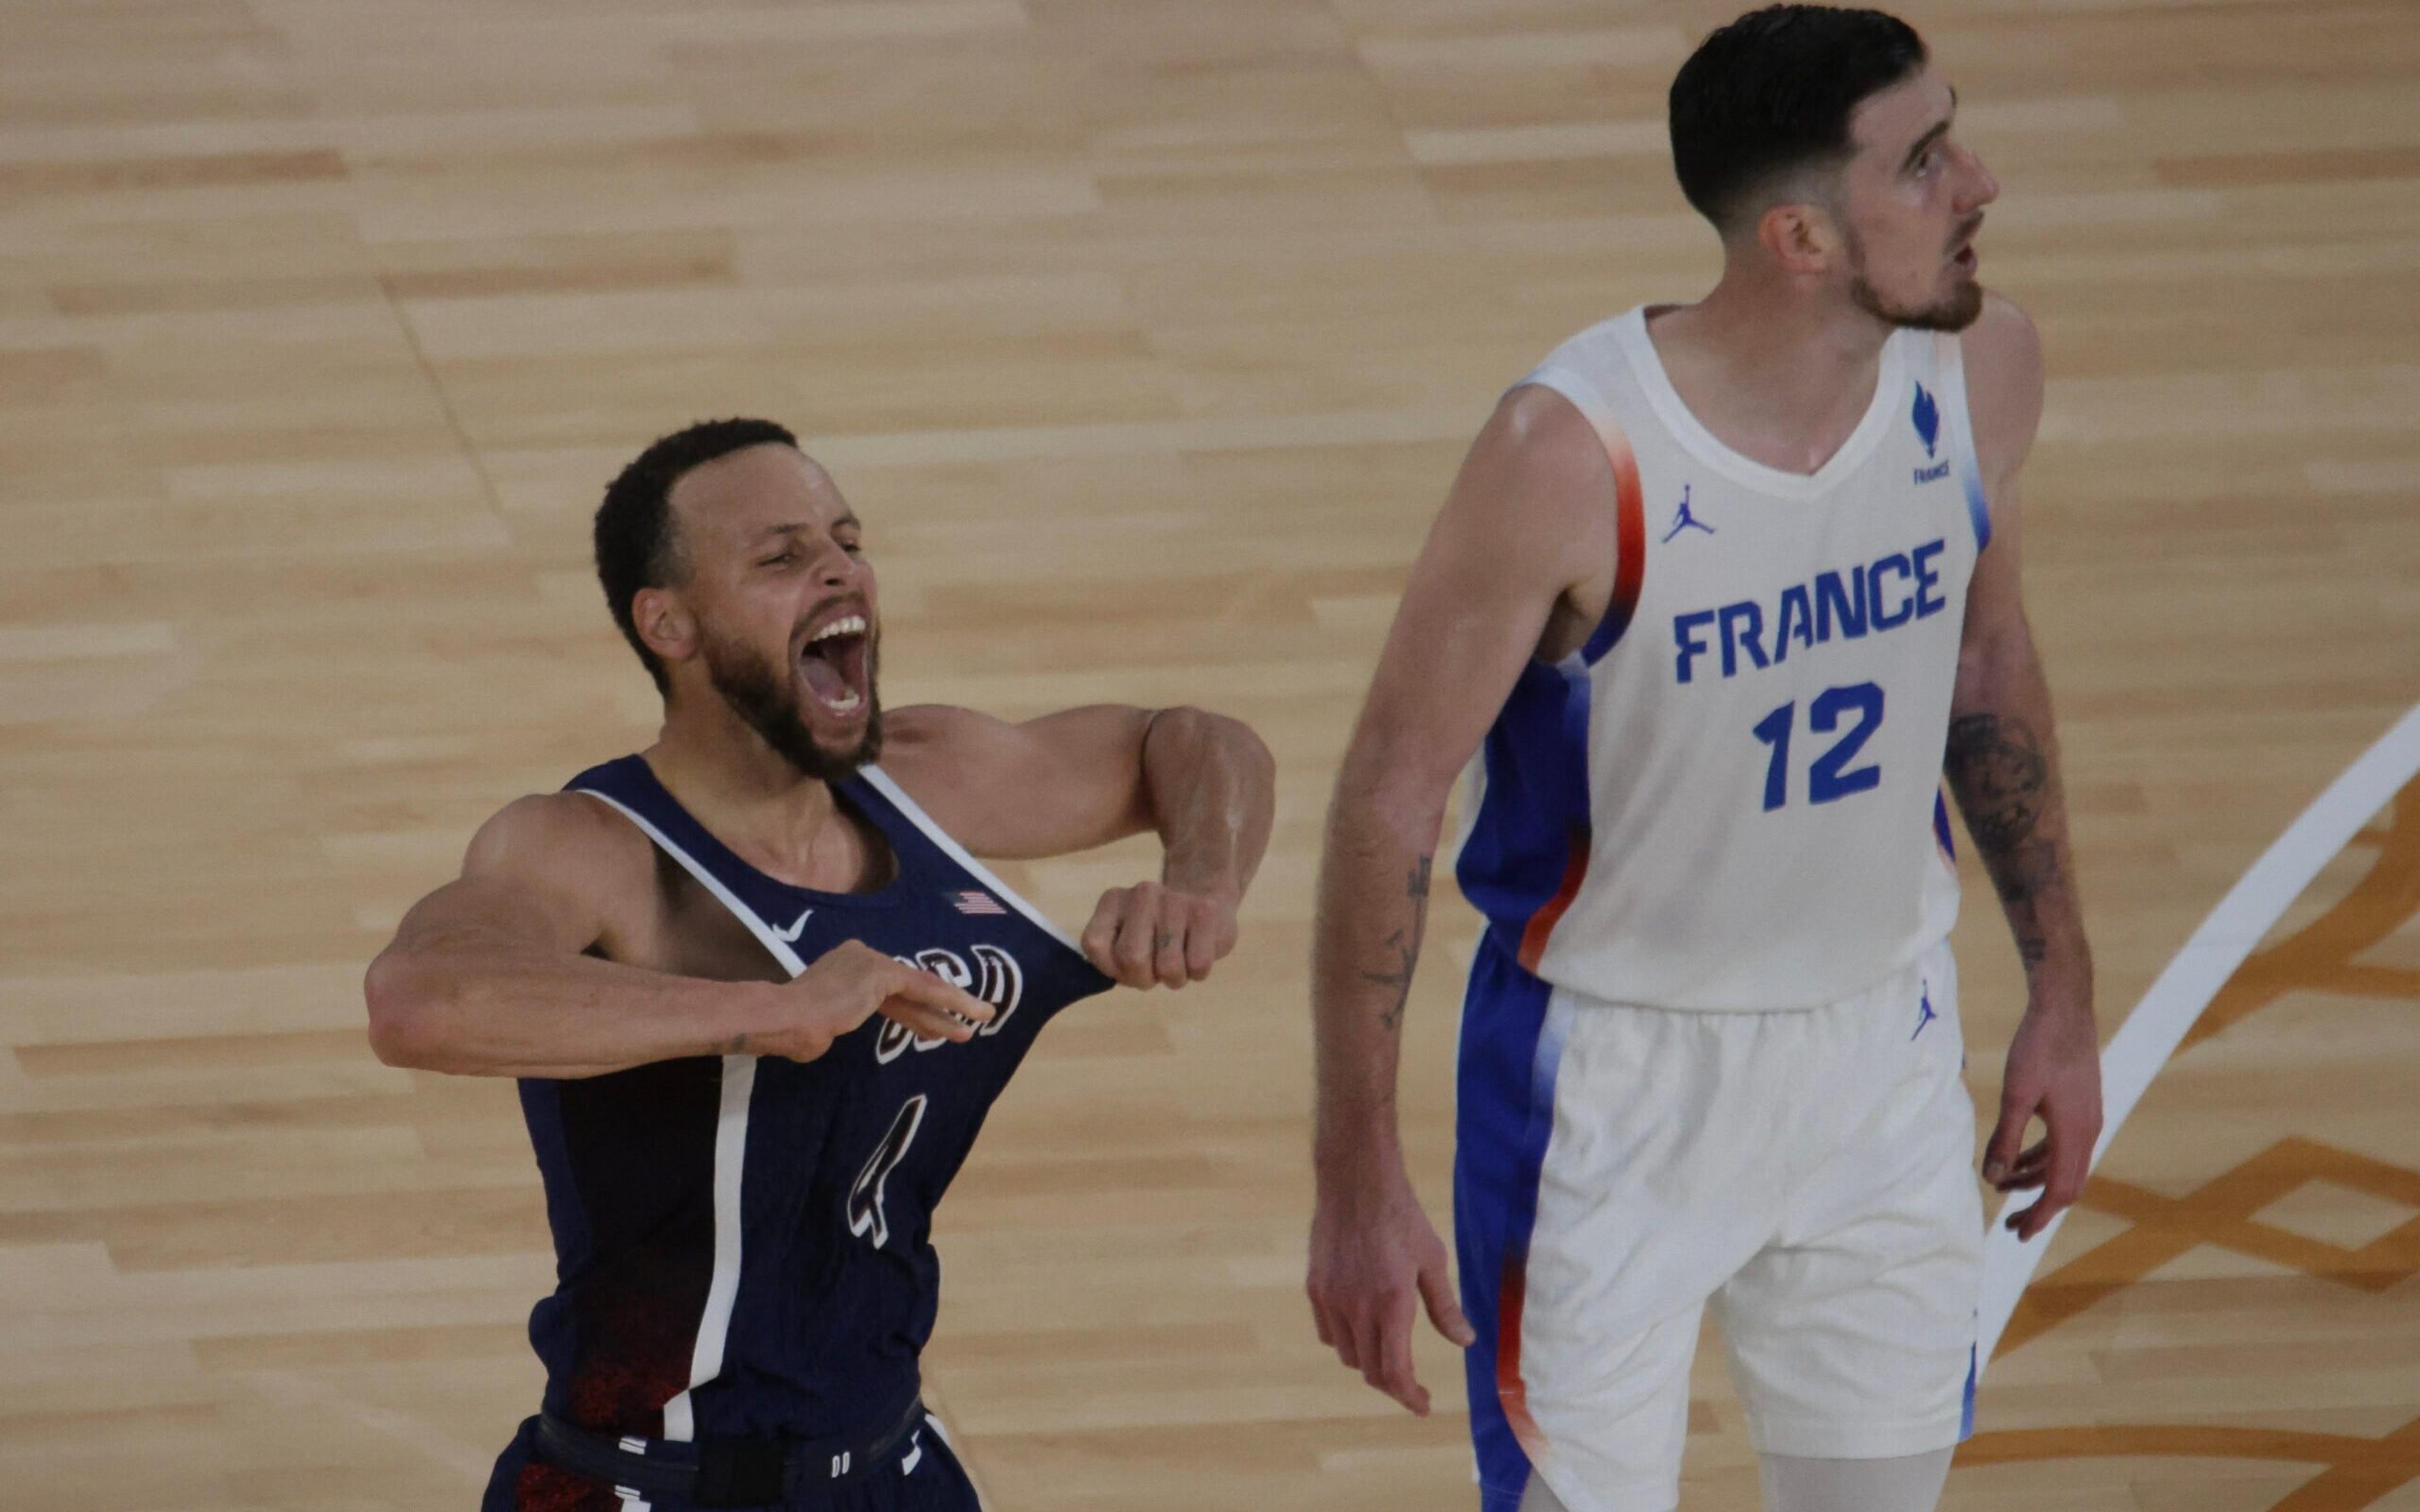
1927, 416
976, 903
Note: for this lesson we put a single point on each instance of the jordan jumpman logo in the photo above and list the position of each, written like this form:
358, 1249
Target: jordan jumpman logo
1684, 520
1924, 1008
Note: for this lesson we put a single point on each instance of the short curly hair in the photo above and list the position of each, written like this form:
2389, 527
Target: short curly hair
636, 546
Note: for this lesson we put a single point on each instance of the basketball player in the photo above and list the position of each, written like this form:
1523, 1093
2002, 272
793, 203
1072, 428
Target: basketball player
1722, 591
760, 994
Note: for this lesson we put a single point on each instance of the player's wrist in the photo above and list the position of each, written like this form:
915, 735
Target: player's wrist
744, 1016
1356, 1154
1219, 886
2059, 982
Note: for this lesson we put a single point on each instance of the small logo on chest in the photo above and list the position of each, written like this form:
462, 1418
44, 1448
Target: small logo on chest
1684, 520
1926, 416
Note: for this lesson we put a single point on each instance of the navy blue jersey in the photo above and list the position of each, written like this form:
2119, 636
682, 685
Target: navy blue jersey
743, 1244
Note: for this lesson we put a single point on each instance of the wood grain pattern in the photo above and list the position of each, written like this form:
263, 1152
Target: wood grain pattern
1146, 335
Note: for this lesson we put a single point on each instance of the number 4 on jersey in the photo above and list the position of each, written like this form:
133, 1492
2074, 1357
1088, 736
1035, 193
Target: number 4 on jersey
865, 1216
1826, 780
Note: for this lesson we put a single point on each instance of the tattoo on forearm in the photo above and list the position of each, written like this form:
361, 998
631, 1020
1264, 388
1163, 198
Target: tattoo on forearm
2003, 783
1405, 947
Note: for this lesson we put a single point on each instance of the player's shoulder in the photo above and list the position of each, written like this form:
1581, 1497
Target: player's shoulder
1538, 417
2003, 344
930, 749
566, 840
920, 736
1540, 458
2002, 355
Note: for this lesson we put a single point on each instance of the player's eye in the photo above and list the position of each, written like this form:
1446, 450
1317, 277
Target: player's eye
784, 560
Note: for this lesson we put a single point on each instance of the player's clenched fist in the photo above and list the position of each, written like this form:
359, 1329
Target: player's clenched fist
853, 981
1153, 934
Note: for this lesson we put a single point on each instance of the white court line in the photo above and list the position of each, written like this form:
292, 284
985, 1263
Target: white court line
2161, 1021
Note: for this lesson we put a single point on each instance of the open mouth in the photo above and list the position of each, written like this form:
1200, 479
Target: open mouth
1964, 258
833, 664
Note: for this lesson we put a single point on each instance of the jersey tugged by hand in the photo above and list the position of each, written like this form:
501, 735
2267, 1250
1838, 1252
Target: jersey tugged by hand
1153, 934
852, 983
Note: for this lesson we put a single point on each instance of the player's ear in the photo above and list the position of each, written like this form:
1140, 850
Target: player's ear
1800, 235
665, 624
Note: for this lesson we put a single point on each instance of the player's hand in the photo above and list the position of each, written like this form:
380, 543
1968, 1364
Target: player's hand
1376, 1262
1152, 934
850, 983
2054, 1075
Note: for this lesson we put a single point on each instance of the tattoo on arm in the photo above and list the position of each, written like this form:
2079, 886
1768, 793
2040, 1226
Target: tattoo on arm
2003, 783
1405, 945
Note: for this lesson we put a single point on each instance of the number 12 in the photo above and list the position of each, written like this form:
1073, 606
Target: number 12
1825, 781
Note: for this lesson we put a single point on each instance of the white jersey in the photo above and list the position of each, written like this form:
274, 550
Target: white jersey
1729, 800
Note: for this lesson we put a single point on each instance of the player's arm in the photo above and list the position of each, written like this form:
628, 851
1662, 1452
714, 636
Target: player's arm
1532, 500
2003, 766
1082, 777
494, 972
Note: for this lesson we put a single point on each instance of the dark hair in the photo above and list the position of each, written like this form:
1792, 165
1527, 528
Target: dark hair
635, 547
1772, 92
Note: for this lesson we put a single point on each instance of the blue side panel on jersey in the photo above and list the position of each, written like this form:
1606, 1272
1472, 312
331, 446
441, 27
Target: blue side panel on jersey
1504, 1112
1966, 1413
1978, 509
1941, 825
1536, 797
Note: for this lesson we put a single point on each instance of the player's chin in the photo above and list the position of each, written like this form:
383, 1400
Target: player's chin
1961, 302
845, 736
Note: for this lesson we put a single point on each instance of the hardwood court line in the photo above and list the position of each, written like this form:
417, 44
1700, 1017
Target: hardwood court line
2210, 958
2356, 1471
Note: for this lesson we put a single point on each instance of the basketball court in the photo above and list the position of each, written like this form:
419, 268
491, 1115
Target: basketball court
1145, 336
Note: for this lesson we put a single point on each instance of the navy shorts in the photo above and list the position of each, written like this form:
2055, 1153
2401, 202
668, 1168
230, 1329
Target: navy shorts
923, 1476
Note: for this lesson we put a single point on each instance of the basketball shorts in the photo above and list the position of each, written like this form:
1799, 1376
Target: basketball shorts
1618, 1169
924, 1475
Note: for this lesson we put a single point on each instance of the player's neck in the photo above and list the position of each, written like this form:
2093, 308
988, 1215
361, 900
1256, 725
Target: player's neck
1776, 375
776, 818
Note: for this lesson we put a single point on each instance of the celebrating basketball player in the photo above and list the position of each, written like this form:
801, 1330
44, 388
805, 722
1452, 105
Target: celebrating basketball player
760, 994
1722, 591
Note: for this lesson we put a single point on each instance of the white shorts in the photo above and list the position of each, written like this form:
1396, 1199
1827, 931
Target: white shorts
1807, 1172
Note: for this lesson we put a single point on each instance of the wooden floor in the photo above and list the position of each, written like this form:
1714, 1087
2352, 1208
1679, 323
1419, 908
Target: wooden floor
1145, 335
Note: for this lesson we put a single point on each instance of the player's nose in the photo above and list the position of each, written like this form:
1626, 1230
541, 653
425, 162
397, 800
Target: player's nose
1982, 188
837, 567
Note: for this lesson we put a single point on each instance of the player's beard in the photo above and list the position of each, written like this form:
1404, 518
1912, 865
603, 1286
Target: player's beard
766, 696
1954, 311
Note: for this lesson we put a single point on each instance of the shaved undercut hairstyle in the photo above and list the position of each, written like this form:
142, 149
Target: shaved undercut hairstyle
636, 546
1769, 96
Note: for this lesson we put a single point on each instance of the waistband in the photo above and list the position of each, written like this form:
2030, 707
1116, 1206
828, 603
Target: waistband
723, 1472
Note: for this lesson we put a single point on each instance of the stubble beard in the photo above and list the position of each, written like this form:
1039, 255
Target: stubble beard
767, 699
1953, 312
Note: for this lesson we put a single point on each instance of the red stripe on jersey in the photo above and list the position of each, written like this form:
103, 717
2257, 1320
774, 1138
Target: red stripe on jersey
1550, 912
